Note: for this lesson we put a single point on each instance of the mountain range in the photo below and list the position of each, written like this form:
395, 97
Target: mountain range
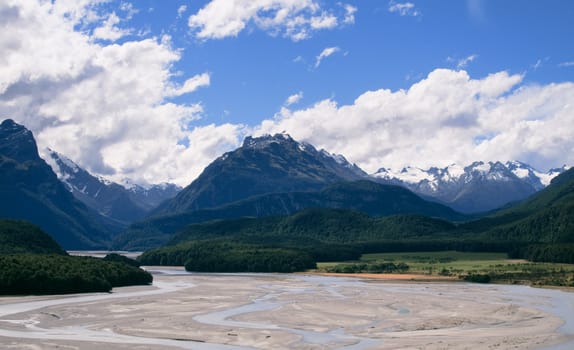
478, 187
272, 175
279, 164
79, 210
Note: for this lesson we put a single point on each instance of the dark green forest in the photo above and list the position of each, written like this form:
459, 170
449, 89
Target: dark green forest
31, 262
58, 274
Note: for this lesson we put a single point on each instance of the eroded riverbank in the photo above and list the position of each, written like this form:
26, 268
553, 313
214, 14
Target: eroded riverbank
203, 311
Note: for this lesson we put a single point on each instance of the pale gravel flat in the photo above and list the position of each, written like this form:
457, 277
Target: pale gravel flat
274, 311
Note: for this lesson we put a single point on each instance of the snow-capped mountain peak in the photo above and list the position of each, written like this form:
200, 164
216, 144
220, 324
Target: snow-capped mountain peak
474, 184
537, 178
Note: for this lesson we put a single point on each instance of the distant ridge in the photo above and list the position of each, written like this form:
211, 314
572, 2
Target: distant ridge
124, 203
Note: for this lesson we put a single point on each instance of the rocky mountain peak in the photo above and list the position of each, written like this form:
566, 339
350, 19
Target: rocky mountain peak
265, 164
266, 140
17, 142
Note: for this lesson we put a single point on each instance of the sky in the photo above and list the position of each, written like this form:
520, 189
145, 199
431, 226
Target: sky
155, 90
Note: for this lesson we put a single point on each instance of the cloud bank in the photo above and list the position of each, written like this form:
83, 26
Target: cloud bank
446, 118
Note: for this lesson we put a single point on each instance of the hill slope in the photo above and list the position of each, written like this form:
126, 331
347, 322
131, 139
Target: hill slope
19, 237
547, 216
322, 225
540, 229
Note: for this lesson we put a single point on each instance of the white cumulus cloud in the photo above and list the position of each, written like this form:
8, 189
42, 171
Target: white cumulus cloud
181, 10
447, 117
325, 53
294, 19
293, 99
462, 63
190, 85
104, 104
349, 14
110, 30
404, 8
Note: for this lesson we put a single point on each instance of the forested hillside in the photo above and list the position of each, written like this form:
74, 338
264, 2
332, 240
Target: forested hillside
546, 217
322, 234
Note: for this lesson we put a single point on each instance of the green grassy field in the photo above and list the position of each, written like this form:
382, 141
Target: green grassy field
460, 264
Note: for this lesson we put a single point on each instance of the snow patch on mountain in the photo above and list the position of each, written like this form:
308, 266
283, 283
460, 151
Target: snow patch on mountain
64, 168
410, 175
453, 171
546, 178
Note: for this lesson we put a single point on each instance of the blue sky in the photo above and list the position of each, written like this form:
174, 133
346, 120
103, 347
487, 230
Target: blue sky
253, 73
155, 90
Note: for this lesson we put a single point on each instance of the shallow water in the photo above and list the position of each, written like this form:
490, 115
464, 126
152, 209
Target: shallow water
558, 302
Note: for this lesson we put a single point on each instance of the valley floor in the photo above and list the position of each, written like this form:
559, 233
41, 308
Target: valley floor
275, 311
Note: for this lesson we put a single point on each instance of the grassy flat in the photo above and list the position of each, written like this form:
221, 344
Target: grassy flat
460, 264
